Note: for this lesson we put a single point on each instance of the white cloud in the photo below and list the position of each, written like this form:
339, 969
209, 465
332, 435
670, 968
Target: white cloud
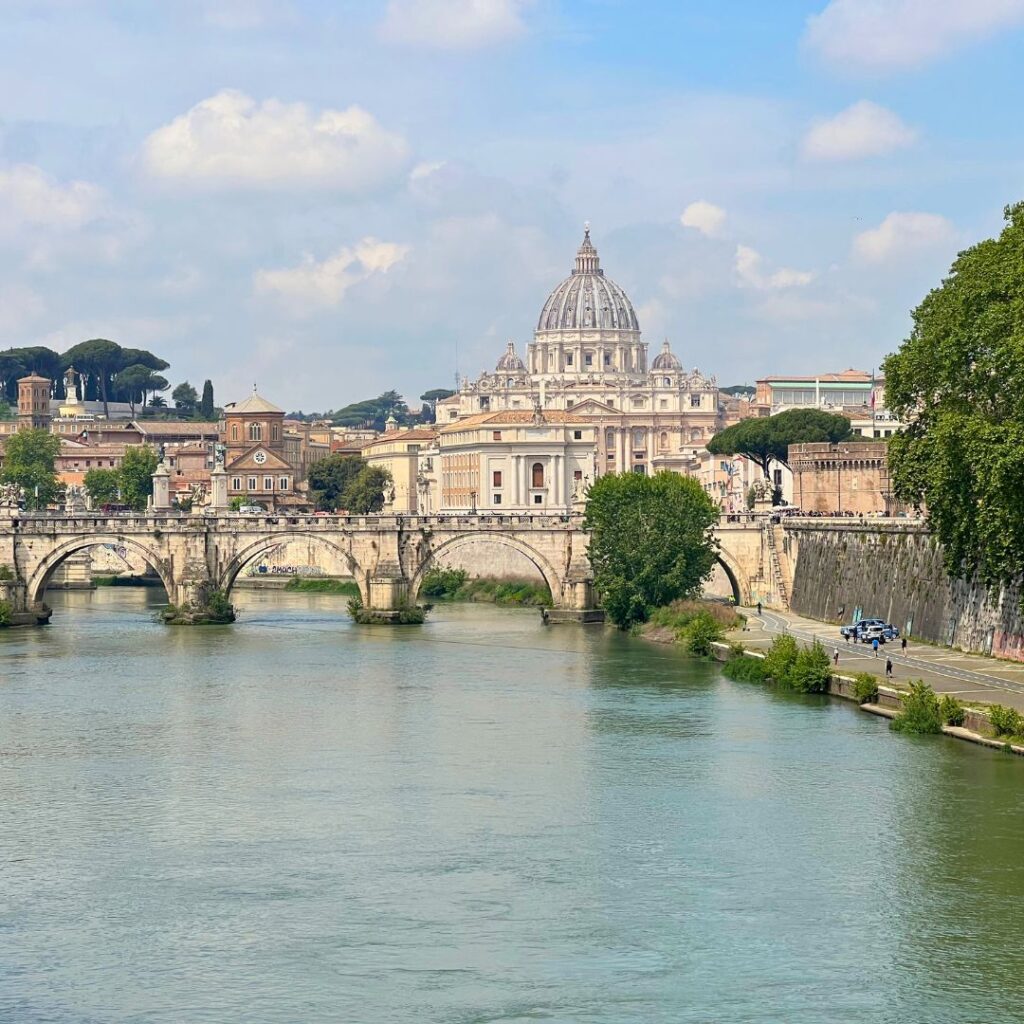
887, 35
862, 130
902, 233
19, 305
453, 24
312, 286
29, 196
704, 217
231, 139
748, 266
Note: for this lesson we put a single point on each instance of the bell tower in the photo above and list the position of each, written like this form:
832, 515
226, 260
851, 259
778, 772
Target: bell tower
33, 402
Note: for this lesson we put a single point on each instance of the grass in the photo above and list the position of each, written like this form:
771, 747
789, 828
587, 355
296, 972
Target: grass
323, 585
455, 585
679, 614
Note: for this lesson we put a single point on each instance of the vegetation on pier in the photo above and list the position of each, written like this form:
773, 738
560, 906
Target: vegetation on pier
455, 585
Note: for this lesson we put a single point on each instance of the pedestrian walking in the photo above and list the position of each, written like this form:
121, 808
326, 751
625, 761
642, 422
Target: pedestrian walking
847, 639
758, 607
888, 668
835, 656
903, 645
874, 646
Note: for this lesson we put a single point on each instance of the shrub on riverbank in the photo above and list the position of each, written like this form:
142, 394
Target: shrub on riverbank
1006, 721
744, 668
780, 658
919, 713
5, 613
680, 614
865, 688
323, 585
455, 585
952, 710
810, 671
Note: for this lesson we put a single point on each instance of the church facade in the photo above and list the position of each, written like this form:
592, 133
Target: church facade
588, 358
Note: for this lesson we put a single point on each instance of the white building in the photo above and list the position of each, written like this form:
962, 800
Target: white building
511, 461
588, 357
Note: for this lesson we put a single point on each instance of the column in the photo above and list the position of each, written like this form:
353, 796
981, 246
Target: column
555, 490
650, 451
524, 485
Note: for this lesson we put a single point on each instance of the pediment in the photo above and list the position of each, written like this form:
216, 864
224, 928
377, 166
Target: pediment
247, 462
592, 405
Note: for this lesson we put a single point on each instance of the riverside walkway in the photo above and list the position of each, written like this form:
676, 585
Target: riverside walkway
969, 677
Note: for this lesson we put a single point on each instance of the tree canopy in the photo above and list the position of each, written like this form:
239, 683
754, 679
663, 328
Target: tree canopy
762, 439
102, 486
650, 543
29, 462
135, 476
346, 482
206, 409
958, 380
185, 398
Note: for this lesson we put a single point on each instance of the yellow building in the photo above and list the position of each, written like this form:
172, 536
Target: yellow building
398, 451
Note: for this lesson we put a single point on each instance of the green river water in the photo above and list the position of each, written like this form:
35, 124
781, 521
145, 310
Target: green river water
480, 820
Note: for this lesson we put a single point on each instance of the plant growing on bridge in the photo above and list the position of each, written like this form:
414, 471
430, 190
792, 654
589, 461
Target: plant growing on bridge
919, 712
29, 462
959, 381
650, 541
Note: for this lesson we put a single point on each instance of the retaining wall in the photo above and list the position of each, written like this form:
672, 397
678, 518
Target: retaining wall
895, 572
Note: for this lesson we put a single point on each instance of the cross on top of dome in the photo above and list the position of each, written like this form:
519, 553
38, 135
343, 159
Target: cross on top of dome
586, 255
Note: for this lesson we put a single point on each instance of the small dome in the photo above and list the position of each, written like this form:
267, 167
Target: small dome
510, 362
586, 298
665, 360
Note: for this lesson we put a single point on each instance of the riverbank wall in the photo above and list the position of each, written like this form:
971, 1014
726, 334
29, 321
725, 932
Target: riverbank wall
977, 727
895, 571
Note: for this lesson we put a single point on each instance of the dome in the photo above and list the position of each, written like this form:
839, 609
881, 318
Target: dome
510, 362
665, 360
588, 299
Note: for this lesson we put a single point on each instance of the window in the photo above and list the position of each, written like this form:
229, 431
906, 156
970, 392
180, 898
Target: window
609, 438
569, 403
496, 435
497, 478
667, 381
268, 483
234, 431
284, 483
255, 432
777, 477
538, 475
577, 474
638, 403
694, 401
639, 438
497, 499
589, 359
607, 359
275, 432
663, 444
577, 435
568, 359
252, 483
537, 499
236, 483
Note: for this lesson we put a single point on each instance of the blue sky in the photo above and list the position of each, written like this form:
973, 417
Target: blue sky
334, 199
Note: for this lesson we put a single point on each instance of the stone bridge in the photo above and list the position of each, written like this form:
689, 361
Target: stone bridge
387, 555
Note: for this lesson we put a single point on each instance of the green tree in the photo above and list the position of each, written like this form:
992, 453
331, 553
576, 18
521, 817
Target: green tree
919, 710
650, 541
206, 409
99, 359
185, 398
330, 478
136, 476
29, 462
374, 412
958, 380
102, 486
365, 494
6, 410
136, 382
762, 439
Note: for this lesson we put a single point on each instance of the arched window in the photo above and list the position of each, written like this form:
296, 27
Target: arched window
255, 432
275, 432
639, 438
538, 475
234, 431
609, 438
696, 434
664, 441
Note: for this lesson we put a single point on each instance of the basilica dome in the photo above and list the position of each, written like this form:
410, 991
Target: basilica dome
587, 299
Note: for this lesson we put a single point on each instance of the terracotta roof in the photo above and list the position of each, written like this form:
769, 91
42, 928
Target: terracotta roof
513, 416
254, 403
159, 427
412, 434
34, 378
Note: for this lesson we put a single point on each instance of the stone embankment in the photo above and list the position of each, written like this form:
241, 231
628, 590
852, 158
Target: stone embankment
977, 727
895, 571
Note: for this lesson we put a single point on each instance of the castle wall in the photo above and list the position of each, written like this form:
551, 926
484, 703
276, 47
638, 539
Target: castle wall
895, 572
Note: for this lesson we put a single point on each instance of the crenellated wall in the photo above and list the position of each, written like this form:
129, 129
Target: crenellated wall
894, 570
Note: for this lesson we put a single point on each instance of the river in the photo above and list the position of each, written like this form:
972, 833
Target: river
481, 820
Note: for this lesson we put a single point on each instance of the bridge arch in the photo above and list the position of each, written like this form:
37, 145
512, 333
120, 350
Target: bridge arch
46, 566
259, 547
551, 575
740, 593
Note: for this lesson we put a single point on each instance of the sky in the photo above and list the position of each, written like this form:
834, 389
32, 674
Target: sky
334, 199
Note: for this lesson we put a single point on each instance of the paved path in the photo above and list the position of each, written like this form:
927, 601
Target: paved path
971, 677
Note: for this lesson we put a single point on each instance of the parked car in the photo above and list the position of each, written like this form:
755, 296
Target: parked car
890, 631
880, 632
855, 629
251, 510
